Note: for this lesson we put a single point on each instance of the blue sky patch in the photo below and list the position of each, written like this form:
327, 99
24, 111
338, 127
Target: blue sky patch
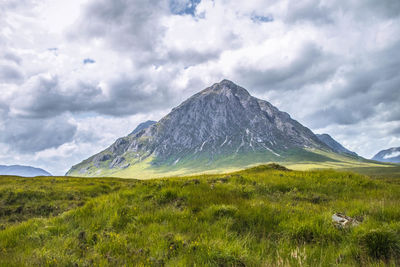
183, 7
262, 19
88, 61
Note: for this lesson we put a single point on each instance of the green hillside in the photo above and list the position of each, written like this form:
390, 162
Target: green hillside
296, 159
264, 216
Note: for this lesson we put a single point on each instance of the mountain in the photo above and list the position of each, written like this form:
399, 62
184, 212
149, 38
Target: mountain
388, 155
334, 145
143, 126
222, 127
26, 171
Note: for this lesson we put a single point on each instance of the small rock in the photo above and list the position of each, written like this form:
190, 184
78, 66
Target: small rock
340, 220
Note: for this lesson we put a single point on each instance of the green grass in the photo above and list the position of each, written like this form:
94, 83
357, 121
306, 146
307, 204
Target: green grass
24, 198
263, 216
390, 172
296, 159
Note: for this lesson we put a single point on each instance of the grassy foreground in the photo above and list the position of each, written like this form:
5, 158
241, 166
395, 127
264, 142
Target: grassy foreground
257, 217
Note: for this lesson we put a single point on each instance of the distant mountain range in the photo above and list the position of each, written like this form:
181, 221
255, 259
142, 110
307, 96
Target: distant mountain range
26, 171
222, 127
388, 155
334, 145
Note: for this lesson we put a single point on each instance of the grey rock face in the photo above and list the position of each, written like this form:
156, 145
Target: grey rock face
118, 161
389, 155
142, 126
220, 120
334, 145
26, 171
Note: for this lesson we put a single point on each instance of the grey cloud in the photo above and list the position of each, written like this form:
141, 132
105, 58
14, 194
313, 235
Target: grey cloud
357, 107
45, 97
393, 113
387, 8
191, 57
371, 88
135, 29
310, 67
28, 136
395, 131
308, 10
368, 88
4, 110
130, 96
10, 74
376, 71
85, 136
9, 56
126, 25
343, 113
325, 12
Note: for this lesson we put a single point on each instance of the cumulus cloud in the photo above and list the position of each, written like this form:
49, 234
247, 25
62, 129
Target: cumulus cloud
27, 136
10, 74
309, 10
308, 65
46, 96
337, 59
129, 26
366, 89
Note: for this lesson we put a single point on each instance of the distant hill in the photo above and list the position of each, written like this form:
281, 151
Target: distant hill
388, 155
334, 145
26, 171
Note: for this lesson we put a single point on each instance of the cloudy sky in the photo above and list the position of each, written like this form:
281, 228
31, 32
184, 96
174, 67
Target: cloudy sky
77, 74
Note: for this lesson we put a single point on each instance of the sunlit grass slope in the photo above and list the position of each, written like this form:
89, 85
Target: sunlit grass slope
264, 216
297, 159
388, 173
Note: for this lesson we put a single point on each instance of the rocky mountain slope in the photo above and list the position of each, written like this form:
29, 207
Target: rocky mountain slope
26, 171
388, 155
222, 125
143, 126
334, 145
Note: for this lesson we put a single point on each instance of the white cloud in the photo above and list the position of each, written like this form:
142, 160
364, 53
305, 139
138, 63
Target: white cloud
337, 59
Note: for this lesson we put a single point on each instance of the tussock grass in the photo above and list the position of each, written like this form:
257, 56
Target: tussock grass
261, 216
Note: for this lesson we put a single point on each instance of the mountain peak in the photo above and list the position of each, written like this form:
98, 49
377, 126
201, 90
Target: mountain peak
227, 82
220, 125
227, 87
